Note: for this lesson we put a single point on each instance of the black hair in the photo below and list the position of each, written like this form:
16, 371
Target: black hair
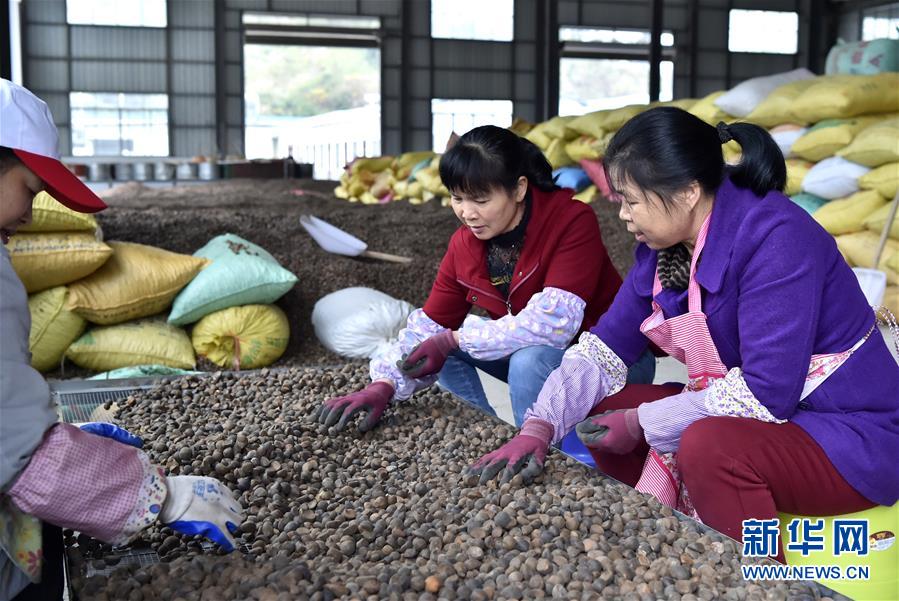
490, 157
665, 149
8, 159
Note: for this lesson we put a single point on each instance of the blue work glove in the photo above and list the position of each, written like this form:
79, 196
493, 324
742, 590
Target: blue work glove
202, 505
114, 432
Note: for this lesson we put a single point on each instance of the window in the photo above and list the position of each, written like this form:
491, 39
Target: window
133, 13
459, 116
881, 22
593, 84
320, 104
607, 68
763, 31
311, 21
119, 124
473, 19
591, 35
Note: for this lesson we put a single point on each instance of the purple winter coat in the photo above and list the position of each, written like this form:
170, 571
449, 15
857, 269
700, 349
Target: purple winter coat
776, 291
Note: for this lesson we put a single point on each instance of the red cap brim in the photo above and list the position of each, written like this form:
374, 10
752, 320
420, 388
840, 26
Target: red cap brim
62, 184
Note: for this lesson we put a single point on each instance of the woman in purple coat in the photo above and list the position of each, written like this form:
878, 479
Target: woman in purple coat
792, 390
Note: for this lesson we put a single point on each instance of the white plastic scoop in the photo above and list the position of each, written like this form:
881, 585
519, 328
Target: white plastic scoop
335, 240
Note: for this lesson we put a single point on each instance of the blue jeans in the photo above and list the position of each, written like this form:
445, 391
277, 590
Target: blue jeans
525, 370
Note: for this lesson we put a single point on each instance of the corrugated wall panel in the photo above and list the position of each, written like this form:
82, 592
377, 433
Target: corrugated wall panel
333, 7
106, 76
191, 13
379, 7
472, 55
53, 11
247, 4
234, 77
192, 110
47, 41
488, 85
234, 110
193, 45
58, 103
233, 46
193, 79
193, 141
42, 74
117, 43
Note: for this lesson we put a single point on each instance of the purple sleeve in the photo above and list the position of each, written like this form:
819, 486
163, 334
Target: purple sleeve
552, 318
383, 366
619, 327
589, 372
92, 484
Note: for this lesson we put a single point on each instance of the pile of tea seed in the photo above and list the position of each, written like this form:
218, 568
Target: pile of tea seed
389, 514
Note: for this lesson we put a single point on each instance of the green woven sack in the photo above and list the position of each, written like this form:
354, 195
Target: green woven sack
241, 273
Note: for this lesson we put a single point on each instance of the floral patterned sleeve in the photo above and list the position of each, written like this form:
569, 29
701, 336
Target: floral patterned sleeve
552, 318
383, 366
590, 371
92, 484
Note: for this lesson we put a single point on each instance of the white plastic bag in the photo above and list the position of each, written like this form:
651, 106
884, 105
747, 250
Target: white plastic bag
786, 138
833, 178
359, 322
743, 98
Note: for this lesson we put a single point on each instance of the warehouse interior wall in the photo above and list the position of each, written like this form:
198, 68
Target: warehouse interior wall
197, 60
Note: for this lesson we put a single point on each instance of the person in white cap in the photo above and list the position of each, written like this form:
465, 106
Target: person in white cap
54, 475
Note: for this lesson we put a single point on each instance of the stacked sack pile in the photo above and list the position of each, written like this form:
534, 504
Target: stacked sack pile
101, 304
412, 176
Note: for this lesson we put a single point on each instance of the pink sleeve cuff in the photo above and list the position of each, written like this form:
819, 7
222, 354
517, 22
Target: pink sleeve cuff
88, 483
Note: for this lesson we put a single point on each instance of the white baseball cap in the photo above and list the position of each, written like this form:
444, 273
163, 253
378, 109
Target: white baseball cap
27, 128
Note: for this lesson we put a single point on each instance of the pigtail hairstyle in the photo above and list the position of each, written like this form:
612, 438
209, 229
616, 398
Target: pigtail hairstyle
762, 168
490, 157
665, 149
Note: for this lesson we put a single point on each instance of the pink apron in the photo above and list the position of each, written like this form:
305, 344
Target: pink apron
687, 338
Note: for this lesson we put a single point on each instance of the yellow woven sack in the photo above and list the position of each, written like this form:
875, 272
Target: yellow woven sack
797, 169
403, 164
859, 248
137, 281
588, 125
708, 111
556, 128
611, 121
891, 298
732, 152
845, 215
828, 137
341, 192
875, 145
48, 259
520, 126
584, 147
775, 109
884, 179
372, 164
247, 337
876, 220
845, 96
144, 342
538, 136
587, 195
683, 103
53, 327
556, 154
48, 215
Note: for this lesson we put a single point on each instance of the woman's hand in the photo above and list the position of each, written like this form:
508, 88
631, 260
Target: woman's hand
373, 399
428, 357
524, 454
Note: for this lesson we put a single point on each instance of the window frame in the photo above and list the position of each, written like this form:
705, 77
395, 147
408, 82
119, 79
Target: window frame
73, 122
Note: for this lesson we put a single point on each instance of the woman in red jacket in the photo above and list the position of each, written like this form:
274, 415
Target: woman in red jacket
528, 255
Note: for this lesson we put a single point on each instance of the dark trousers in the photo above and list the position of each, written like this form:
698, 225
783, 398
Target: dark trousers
737, 468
